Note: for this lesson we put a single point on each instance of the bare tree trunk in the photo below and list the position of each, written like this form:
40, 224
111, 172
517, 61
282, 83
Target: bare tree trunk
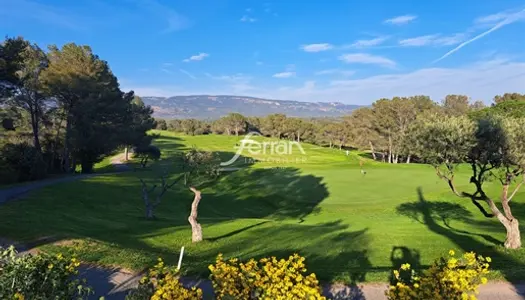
372, 149
330, 144
126, 151
408, 159
513, 240
196, 230
396, 158
67, 165
34, 127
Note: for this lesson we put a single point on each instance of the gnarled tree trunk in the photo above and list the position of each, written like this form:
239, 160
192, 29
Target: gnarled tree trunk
511, 224
513, 240
196, 230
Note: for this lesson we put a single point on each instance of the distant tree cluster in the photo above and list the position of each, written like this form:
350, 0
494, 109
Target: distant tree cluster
386, 129
62, 108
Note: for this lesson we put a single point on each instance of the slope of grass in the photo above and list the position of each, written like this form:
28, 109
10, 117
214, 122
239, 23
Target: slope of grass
350, 227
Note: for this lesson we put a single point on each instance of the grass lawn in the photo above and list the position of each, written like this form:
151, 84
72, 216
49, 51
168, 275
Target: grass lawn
350, 227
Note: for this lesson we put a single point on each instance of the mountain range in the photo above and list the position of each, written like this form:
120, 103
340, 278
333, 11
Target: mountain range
214, 107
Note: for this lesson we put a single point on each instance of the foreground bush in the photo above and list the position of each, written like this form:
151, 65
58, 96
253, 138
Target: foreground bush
448, 278
268, 278
162, 282
39, 277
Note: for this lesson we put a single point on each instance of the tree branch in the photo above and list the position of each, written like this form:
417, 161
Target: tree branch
165, 188
517, 188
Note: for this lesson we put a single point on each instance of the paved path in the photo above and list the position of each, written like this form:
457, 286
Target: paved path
14, 192
115, 284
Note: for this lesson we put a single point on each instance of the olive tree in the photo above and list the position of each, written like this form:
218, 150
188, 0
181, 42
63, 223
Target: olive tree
145, 153
147, 192
495, 150
199, 167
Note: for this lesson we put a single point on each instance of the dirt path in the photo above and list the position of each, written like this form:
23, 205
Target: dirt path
14, 192
118, 162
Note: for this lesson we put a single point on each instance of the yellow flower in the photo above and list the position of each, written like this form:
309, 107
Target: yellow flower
484, 280
405, 267
488, 259
416, 285
50, 266
451, 252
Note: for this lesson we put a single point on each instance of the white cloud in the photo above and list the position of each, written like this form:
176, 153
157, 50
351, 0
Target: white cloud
364, 58
433, 40
493, 18
481, 81
367, 43
501, 19
197, 57
451, 39
335, 72
400, 20
27, 11
418, 41
248, 19
316, 47
284, 75
174, 21
188, 74
236, 83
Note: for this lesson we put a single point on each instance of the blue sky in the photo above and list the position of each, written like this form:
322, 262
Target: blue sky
346, 51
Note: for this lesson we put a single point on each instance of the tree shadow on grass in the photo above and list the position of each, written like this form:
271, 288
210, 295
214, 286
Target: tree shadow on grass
436, 216
110, 208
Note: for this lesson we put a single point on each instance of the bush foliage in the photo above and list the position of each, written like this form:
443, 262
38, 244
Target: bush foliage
447, 278
39, 277
268, 278
162, 282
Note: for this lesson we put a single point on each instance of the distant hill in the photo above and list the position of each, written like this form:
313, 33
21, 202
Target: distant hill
213, 107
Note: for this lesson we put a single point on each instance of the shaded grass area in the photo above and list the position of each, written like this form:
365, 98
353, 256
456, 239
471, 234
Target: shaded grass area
350, 227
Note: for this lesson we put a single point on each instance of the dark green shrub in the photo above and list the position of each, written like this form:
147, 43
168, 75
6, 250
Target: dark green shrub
25, 162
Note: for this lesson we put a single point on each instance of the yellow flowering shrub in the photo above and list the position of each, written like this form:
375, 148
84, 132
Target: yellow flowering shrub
447, 278
162, 282
40, 276
268, 278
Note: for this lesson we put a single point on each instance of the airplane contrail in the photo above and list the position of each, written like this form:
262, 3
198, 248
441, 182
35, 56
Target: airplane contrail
508, 20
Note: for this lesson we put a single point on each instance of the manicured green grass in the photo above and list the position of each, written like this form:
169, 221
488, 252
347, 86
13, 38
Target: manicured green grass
350, 227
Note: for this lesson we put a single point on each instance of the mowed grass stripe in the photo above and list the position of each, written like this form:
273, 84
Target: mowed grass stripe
350, 227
